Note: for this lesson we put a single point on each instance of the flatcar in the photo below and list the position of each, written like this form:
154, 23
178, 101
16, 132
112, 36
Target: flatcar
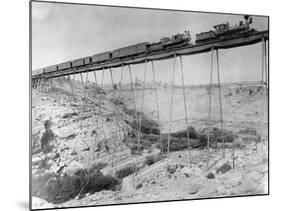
225, 31
132, 50
101, 57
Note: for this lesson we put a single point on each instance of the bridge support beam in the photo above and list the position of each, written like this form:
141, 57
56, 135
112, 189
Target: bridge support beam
171, 109
220, 102
185, 111
157, 105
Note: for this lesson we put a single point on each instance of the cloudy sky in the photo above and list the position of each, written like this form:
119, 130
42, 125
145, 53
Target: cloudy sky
62, 32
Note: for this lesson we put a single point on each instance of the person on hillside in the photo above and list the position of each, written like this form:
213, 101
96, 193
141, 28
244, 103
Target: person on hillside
48, 139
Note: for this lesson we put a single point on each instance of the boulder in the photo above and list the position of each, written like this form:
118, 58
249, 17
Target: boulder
77, 145
224, 168
193, 189
210, 175
187, 171
66, 133
220, 190
254, 176
38, 203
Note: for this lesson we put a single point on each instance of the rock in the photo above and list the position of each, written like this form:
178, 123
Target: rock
187, 172
254, 176
77, 145
153, 182
36, 160
220, 190
193, 189
38, 203
66, 133
223, 169
211, 175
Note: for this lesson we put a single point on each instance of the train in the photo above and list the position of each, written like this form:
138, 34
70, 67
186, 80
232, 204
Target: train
222, 32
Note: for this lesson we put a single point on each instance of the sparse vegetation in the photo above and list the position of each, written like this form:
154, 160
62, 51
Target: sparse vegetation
126, 171
151, 159
60, 189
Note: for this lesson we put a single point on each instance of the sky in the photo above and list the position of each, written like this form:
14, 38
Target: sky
62, 32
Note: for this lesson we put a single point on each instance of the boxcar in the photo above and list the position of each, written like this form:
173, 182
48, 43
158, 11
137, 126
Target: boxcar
78, 62
88, 60
205, 36
38, 71
101, 57
64, 65
51, 68
130, 50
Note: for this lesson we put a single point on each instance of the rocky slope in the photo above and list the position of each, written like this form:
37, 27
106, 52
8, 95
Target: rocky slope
86, 134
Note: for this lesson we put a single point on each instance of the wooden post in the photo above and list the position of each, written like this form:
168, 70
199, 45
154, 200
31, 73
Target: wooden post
157, 106
171, 110
210, 107
185, 112
83, 89
220, 102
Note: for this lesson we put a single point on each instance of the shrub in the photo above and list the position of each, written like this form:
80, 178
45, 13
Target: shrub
116, 101
62, 189
98, 182
151, 159
126, 171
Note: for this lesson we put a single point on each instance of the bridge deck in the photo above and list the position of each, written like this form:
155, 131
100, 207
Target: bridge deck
161, 55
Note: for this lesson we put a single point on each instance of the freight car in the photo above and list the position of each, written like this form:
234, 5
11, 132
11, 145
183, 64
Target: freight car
64, 65
224, 31
129, 51
81, 61
101, 57
51, 68
39, 71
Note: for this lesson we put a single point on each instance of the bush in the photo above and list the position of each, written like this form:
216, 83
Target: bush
99, 182
151, 159
126, 171
62, 189
116, 101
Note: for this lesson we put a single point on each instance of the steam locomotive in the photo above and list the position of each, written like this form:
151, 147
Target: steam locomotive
222, 32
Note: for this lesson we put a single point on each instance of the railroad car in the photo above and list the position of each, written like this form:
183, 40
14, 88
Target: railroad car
155, 47
87, 60
132, 50
64, 65
101, 57
205, 36
82, 61
51, 68
38, 71
78, 62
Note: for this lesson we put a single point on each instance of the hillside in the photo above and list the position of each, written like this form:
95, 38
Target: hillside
98, 133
